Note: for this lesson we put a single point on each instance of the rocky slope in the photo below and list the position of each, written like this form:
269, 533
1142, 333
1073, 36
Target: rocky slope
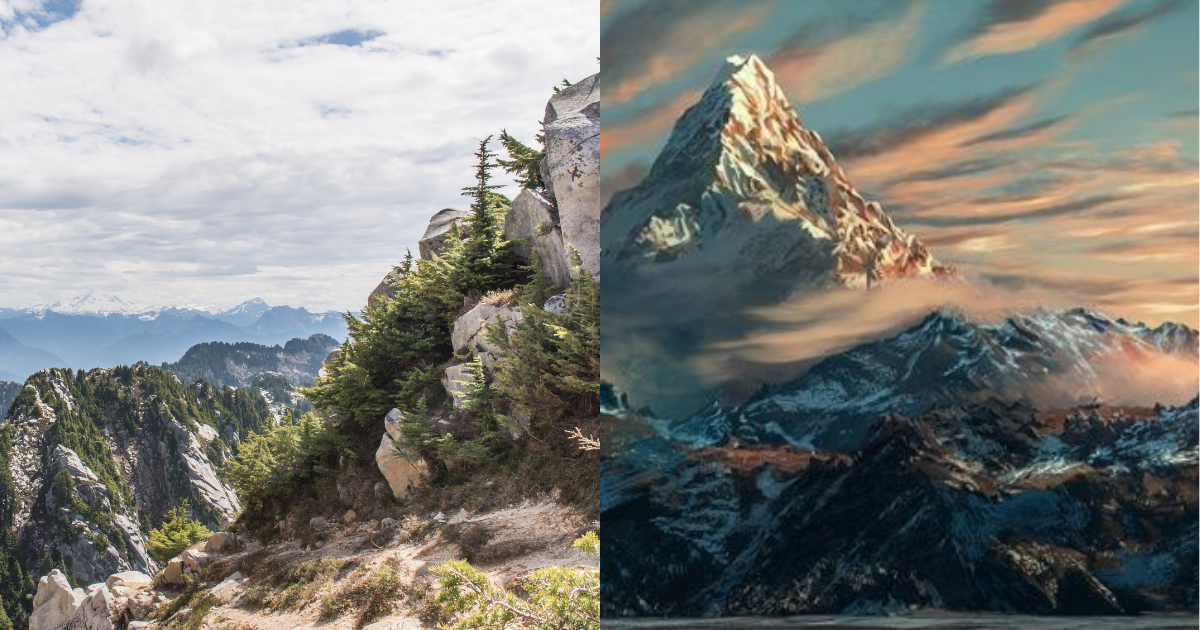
744, 192
100, 457
1048, 357
990, 506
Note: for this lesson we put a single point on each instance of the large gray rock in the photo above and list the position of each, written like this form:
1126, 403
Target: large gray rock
173, 573
573, 161
96, 612
386, 289
391, 423
65, 458
194, 562
528, 211
470, 329
454, 381
402, 471
132, 579
437, 235
54, 602
216, 542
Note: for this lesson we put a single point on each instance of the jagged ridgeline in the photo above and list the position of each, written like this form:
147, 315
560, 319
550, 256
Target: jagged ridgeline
237, 364
93, 460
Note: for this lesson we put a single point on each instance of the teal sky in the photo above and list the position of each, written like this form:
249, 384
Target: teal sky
1036, 144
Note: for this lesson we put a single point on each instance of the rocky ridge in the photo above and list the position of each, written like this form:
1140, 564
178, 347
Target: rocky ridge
99, 457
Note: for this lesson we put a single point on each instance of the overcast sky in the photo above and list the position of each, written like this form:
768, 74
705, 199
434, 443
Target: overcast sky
1046, 145
180, 152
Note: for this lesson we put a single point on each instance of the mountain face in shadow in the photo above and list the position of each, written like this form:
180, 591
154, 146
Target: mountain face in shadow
17, 359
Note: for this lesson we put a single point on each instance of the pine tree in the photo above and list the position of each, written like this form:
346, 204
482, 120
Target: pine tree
487, 261
479, 398
5, 624
539, 288
524, 162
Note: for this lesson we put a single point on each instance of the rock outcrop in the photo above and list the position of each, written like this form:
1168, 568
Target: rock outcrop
402, 471
572, 166
95, 612
532, 219
470, 330
202, 476
454, 381
119, 602
130, 579
437, 235
54, 602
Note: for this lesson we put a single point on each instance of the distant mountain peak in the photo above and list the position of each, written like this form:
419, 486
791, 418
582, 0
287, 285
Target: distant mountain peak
92, 303
742, 187
254, 306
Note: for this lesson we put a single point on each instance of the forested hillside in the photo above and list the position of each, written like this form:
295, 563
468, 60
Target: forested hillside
236, 364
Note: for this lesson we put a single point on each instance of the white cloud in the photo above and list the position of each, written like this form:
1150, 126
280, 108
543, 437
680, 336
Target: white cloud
210, 152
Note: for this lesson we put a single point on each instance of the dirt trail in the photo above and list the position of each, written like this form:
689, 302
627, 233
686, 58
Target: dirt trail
507, 545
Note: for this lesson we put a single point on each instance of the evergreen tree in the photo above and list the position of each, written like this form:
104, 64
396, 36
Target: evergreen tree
524, 162
479, 399
487, 262
179, 531
5, 624
539, 288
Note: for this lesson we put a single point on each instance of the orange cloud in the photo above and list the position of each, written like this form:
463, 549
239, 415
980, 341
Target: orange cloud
689, 41
859, 57
650, 125
1056, 20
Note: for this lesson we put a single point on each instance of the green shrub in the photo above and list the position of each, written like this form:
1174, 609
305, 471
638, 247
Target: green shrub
372, 596
558, 597
273, 462
178, 532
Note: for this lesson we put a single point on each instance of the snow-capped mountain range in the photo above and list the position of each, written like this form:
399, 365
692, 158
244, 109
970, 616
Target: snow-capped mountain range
102, 304
743, 191
1052, 358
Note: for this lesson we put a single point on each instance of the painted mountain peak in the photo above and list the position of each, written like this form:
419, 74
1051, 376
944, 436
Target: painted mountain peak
743, 189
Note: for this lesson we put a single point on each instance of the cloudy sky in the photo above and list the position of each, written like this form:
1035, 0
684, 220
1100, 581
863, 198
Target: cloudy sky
1040, 145
177, 152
